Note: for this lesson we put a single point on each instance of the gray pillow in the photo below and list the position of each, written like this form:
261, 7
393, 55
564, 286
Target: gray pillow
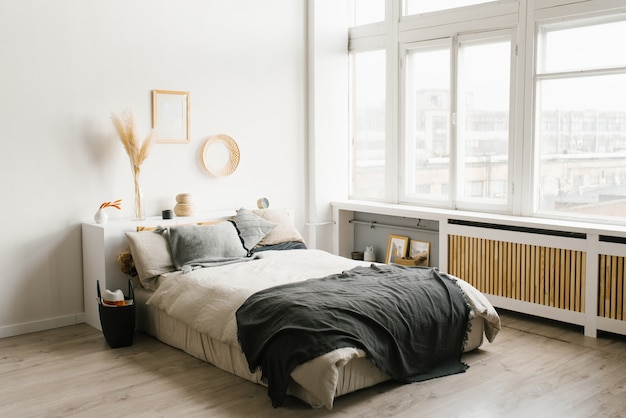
201, 245
252, 228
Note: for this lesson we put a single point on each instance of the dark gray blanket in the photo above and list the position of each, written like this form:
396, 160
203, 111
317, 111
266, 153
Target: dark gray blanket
411, 322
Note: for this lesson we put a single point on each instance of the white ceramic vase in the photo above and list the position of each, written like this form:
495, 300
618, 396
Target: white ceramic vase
101, 217
369, 254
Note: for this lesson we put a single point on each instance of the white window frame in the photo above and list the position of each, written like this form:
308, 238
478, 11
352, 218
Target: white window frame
494, 35
405, 49
456, 151
377, 46
524, 19
564, 16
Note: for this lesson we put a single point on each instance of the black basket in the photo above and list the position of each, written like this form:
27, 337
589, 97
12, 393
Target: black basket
118, 322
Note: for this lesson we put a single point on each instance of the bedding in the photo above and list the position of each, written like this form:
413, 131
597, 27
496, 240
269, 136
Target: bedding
411, 323
205, 301
193, 281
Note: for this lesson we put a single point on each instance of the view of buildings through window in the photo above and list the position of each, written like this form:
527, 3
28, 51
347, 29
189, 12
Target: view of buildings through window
456, 138
478, 122
580, 126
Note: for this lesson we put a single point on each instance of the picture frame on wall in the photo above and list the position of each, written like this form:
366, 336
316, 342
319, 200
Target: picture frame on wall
396, 248
170, 116
420, 252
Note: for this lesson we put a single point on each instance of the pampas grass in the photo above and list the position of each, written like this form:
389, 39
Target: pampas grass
137, 151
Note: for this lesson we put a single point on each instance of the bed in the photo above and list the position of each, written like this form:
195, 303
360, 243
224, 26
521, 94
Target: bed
196, 280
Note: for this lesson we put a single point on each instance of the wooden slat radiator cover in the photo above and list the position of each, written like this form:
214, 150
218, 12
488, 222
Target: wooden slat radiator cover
611, 292
548, 276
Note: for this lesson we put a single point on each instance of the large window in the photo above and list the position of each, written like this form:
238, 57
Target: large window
488, 106
368, 106
581, 119
456, 140
483, 120
427, 122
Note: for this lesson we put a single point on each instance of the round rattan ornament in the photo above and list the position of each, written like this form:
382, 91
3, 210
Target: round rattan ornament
220, 155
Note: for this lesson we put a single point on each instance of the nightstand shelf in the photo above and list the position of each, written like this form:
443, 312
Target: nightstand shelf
101, 245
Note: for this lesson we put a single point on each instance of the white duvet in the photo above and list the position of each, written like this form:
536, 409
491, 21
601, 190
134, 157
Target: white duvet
208, 298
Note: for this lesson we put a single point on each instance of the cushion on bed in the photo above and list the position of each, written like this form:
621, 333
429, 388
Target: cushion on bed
252, 228
151, 256
285, 229
200, 245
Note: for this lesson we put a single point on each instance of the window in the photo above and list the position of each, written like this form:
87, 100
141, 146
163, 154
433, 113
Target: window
413, 7
580, 135
427, 122
368, 124
482, 122
493, 107
457, 131
367, 11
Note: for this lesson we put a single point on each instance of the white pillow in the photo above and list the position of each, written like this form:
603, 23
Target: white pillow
285, 230
151, 255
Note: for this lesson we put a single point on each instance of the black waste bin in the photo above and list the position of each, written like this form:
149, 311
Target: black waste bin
118, 322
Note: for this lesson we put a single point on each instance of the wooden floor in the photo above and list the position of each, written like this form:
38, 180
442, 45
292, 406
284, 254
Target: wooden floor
535, 368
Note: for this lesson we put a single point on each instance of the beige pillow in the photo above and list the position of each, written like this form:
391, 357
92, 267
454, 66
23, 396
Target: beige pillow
285, 230
151, 255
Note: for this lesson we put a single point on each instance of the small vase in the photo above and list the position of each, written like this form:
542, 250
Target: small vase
101, 217
140, 213
184, 205
369, 254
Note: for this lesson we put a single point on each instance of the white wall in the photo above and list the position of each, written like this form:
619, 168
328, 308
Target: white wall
66, 64
328, 116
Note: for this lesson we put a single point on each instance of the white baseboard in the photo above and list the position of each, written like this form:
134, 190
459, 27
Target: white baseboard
51, 323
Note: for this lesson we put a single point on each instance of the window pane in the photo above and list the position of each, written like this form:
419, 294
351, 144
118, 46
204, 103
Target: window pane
427, 132
587, 47
483, 121
368, 125
368, 11
414, 7
581, 139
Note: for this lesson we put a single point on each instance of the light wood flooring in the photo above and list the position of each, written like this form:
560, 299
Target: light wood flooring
535, 368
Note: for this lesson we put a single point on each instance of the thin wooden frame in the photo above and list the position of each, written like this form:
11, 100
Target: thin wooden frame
396, 248
420, 250
170, 116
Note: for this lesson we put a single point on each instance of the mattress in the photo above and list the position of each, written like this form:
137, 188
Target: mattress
355, 374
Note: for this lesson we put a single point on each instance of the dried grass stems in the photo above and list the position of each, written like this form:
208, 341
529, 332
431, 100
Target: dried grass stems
137, 151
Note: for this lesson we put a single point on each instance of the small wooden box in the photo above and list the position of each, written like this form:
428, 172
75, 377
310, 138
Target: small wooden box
411, 262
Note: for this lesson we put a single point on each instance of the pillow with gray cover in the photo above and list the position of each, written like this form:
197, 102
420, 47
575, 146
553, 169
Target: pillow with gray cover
205, 245
252, 228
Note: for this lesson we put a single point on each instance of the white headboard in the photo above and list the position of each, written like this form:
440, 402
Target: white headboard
103, 242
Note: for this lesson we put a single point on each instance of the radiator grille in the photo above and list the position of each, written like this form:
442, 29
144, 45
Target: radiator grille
611, 291
548, 276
